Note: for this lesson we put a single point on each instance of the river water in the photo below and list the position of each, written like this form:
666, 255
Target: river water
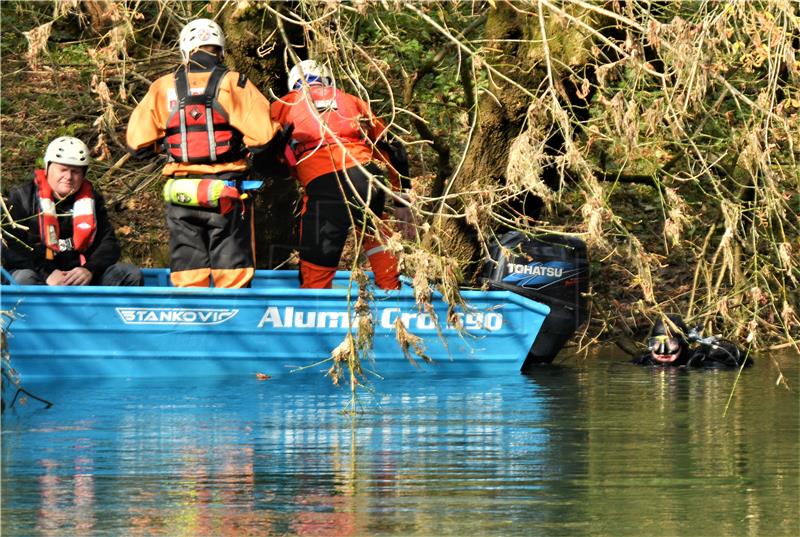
591, 446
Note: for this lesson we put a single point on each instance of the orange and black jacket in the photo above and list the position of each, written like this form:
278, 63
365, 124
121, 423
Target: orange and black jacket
23, 203
364, 140
246, 108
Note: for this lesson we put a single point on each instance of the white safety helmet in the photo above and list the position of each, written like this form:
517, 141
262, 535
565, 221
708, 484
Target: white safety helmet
198, 33
66, 150
312, 71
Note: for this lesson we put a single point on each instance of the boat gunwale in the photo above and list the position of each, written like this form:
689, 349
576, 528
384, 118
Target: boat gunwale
500, 296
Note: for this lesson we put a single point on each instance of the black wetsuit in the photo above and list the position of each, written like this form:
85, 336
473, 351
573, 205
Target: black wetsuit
719, 356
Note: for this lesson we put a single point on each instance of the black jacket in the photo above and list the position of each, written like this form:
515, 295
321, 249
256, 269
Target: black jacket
23, 204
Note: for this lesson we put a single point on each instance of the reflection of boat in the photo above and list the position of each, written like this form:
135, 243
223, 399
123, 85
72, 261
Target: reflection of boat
271, 328
233, 456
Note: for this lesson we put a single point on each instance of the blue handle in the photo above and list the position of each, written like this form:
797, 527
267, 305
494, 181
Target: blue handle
7, 275
247, 185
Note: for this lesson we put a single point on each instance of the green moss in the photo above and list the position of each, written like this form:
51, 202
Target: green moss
76, 54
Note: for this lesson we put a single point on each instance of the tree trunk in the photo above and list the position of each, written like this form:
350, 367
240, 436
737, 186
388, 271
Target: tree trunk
520, 56
255, 49
500, 119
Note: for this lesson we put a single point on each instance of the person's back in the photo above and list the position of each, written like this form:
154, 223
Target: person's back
716, 353
209, 121
237, 114
332, 130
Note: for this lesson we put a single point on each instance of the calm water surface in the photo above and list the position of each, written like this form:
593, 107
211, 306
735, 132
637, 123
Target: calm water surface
589, 447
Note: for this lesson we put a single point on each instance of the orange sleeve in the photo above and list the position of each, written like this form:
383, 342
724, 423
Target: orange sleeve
280, 108
145, 126
376, 128
377, 133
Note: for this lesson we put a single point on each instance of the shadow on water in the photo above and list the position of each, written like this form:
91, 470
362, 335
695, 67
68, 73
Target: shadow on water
588, 447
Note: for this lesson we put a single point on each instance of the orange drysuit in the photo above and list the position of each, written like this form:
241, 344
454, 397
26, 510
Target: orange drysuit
204, 242
333, 134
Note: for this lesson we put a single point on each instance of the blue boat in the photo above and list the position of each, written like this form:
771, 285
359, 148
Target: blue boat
272, 328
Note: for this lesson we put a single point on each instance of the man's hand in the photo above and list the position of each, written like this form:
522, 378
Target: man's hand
405, 222
77, 276
269, 161
56, 278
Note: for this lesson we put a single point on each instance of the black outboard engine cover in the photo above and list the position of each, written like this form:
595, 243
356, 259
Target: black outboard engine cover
551, 269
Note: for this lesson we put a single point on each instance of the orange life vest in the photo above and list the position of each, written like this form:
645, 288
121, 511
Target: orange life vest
84, 225
338, 110
197, 129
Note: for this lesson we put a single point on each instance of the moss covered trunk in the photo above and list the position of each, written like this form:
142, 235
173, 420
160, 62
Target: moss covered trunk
255, 48
516, 42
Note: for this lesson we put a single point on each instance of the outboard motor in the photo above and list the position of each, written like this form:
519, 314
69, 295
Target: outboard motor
551, 269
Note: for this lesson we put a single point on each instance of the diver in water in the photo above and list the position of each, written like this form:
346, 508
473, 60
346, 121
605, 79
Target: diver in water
669, 345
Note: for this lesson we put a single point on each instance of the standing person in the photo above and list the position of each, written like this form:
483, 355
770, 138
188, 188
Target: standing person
69, 239
334, 138
206, 118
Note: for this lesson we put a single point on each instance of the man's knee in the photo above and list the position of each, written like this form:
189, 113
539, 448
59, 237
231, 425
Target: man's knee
122, 274
27, 277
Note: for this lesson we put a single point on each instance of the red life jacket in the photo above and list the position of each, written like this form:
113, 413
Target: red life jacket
338, 110
84, 225
197, 129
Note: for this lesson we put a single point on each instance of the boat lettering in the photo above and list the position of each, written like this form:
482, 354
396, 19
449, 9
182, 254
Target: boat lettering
491, 321
290, 317
169, 316
535, 270
303, 319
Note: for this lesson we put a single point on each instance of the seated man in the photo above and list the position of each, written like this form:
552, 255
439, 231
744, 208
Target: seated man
69, 239
668, 345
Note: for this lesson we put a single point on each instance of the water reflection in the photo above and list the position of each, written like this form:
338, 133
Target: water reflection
592, 448
69, 504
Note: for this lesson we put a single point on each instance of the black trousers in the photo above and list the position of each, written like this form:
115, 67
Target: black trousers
118, 274
204, 243
330, 209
